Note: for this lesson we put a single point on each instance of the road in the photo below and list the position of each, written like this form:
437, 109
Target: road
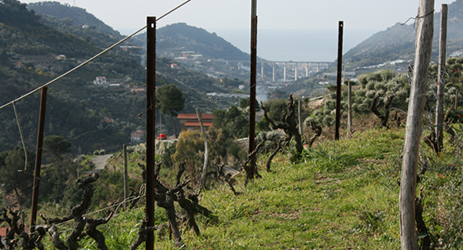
100, 163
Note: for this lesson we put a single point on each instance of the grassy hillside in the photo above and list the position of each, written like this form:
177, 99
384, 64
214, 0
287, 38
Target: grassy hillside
343, 195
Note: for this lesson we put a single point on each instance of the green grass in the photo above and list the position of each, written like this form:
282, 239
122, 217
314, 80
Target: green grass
342, 195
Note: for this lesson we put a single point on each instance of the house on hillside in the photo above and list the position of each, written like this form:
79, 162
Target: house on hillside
100, 80
137, 136
191, 122
60, 58
137, 90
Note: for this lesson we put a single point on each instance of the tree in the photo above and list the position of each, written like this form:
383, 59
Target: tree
56, 145
170, 100
244, 103
12, 179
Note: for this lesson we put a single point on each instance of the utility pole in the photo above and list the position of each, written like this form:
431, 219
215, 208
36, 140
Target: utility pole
424, 34
38, 158
339, 76
150, 125
252, 97
441, 78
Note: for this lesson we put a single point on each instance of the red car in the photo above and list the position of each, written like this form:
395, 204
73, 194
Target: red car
162, 137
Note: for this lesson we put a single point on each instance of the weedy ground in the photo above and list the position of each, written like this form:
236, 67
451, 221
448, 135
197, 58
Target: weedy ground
342, 195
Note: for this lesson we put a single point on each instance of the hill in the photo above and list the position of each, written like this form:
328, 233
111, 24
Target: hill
74, 15
398, 41
182, 36
90, 116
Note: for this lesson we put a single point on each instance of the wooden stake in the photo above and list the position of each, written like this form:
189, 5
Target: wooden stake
206, 152
299, 114
424, 34
126, 191
150, 126
441, 79
38, 158
349, 108
252, 96
338, 89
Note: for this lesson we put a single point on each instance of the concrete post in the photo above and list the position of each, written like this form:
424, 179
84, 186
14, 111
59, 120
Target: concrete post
284, 73
273, 73
295, 72
262, 71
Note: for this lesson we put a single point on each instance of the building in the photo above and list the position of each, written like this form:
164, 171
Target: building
100, 80
136, 136
137, 90
190, 121
60, 57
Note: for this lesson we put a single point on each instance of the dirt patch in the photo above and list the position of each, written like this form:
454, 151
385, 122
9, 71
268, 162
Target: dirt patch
288, 216
317, 104
367, 161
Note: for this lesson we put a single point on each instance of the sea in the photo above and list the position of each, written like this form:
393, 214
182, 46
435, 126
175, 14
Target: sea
316, 45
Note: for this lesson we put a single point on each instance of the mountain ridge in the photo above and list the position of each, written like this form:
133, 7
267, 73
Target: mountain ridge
398, 41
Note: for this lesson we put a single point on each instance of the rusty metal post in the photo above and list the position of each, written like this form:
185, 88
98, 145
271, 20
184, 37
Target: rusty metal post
150, 123
252, 96
338, 89
38, 158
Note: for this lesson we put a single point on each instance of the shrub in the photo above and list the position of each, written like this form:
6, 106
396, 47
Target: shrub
360, 92
355, 107
327, 120
363, 80
371, 94
387, 74
370, 85
330, 104
326, 111
380, 86
317, 112
363, 107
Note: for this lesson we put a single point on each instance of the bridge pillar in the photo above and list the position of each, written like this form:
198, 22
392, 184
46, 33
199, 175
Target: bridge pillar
239, 65
284, 73
318, 67
295, 72
262, 71
306, 70
273, 72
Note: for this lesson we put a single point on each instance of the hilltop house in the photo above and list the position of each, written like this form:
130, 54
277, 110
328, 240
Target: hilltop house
190, 121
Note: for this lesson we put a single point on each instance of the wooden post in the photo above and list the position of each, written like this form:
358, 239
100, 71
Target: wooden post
299, 114
38, 158
150, 126
252, 96
126, 192
424, 34
349, 108
456, 100
338, 89
441, 79
206, 151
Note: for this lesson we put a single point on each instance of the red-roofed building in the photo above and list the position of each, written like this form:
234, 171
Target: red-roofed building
190, 121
